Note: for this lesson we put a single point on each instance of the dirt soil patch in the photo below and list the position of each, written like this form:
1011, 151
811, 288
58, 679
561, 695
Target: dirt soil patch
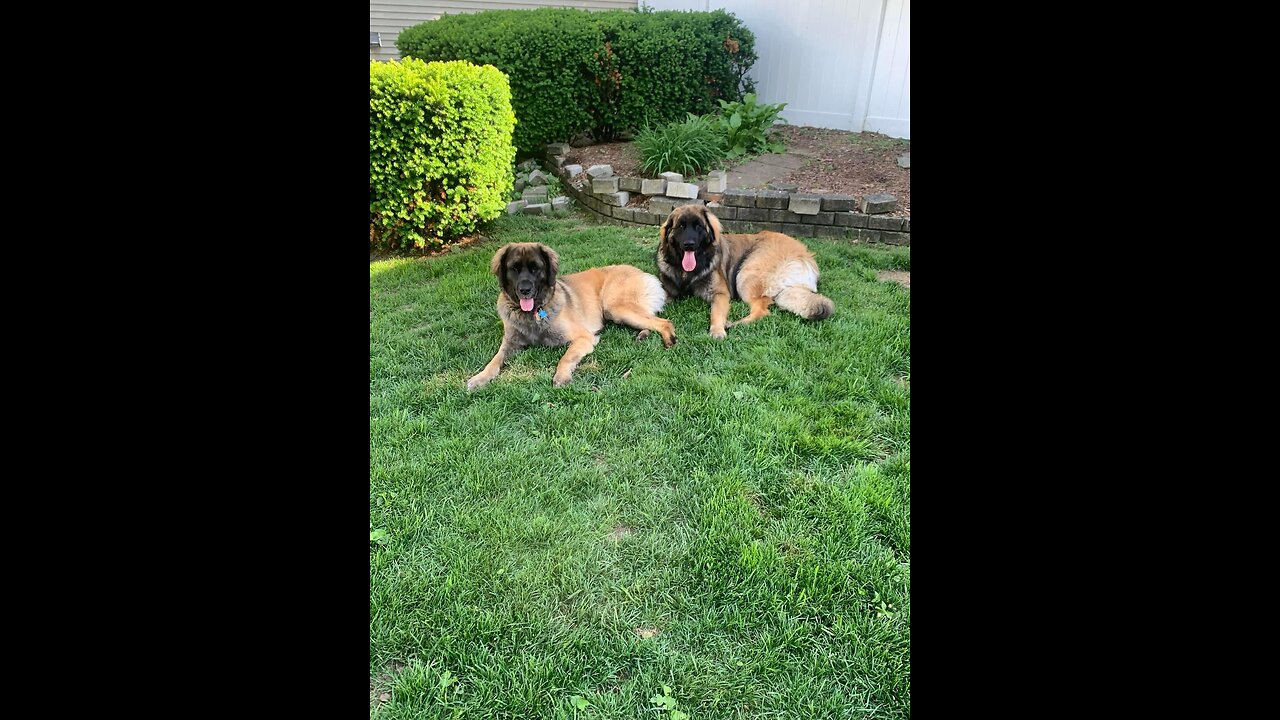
623, 156
835, 161
851, 163
380, 687
898, 276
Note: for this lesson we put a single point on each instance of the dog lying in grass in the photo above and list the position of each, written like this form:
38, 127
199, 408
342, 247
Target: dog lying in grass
537, 308
696, 258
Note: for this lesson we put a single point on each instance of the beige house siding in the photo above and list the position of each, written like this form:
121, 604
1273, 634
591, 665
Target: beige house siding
389, 18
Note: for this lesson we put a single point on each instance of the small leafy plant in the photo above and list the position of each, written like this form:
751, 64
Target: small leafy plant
687, 147
668, 703
745, 126
881, 609
554, 187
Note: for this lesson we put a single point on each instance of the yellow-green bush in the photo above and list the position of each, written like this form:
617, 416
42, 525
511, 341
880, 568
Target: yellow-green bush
440, 152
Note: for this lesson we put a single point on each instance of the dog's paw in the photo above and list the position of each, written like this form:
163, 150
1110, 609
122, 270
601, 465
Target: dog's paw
561, 380
717, 334
642, 336
477, 382
671, 344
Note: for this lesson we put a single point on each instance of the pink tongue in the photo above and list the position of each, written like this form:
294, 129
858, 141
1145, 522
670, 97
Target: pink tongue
526, 304
689, 262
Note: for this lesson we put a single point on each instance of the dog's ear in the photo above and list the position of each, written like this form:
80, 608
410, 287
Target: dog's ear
713, 223
499, 257
553, 262
666, 228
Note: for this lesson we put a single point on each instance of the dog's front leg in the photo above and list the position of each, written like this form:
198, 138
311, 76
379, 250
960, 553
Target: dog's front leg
578, 349
510, 346
719, 314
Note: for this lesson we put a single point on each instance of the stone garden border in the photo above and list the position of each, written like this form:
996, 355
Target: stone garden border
749, 211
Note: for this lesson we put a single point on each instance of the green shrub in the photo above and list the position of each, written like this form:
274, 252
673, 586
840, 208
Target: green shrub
673, 63
440, 150
687, 147
574, 71
745, 126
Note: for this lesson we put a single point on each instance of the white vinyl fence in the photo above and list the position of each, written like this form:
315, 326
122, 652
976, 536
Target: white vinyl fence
843, 64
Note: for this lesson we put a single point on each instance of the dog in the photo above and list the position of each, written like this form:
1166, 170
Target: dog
538, 309
696, 258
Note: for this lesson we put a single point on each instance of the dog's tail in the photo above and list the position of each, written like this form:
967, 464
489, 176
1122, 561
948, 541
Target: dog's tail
805, 303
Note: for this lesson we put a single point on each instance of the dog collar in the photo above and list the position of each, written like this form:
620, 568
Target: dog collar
541, 315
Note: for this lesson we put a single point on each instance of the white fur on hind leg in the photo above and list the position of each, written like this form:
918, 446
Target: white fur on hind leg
653, 296
793, 273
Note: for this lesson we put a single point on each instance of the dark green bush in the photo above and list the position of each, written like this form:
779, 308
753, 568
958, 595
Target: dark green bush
687, 147
440, 150
574, 71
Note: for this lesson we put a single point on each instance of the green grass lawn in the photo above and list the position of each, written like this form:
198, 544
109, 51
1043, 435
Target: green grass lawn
729, 518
